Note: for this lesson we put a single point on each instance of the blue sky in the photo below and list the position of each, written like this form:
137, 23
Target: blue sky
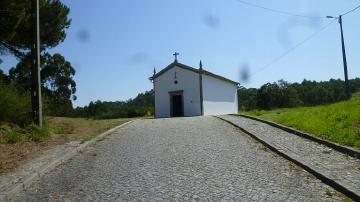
114, 45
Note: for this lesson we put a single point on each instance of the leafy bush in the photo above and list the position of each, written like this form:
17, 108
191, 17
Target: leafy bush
15, 106
13, 136
38, 134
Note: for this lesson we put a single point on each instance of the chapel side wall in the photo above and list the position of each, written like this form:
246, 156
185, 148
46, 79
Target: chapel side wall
219, 96
188, 81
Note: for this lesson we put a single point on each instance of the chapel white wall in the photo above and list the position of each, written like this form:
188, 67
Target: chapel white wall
219, 96
188, 81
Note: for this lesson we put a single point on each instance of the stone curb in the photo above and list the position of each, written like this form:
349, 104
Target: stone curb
47, 168
340, 148
317, 174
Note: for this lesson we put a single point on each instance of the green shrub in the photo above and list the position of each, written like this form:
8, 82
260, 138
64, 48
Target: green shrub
5, 127
12, 136
15, 106
38, 134
2, 167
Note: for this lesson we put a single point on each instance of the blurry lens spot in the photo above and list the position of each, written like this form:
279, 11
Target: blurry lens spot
211, 21
137, 58
244, 73
83, 36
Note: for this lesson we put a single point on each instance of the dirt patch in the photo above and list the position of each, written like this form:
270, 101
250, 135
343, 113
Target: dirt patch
64, 130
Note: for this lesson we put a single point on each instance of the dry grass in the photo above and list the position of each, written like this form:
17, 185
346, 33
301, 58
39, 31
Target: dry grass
63, 130
79, 129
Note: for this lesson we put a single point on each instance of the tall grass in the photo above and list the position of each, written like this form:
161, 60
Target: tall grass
339, 122
38, 134
14, 134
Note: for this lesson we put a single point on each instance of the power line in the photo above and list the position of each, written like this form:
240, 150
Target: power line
289, 13
278, 11
295, 15
352, 10
293, 48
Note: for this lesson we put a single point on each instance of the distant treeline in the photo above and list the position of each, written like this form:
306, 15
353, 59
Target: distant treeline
284, 94
269, 96
15, 104
142, 105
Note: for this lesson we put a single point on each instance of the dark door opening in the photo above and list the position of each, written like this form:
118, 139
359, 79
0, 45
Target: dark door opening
176, 105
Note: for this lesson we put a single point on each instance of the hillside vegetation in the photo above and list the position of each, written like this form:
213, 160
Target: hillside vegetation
283, 94
339, 122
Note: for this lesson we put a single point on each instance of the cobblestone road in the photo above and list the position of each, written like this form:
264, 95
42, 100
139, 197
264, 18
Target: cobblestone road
200, 158
335, 165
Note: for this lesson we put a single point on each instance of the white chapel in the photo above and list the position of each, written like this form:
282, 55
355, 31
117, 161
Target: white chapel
181, 90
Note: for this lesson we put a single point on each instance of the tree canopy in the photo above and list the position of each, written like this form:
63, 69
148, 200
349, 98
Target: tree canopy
57, 79
15, 25
57, 74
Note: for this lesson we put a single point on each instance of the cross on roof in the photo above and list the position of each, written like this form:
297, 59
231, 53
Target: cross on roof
176, 54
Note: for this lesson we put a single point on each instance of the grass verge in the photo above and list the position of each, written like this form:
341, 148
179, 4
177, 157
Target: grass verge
80, 129
17, 145
339, 122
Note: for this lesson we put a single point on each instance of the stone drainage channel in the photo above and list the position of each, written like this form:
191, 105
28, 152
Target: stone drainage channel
335, 165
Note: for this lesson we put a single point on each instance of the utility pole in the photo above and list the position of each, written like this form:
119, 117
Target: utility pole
35, 65
347, 87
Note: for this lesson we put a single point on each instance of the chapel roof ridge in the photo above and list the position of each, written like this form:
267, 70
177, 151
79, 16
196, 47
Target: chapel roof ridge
203, 71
